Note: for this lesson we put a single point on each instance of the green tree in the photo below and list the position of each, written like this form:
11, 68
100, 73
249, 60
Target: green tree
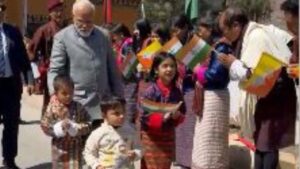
257, 10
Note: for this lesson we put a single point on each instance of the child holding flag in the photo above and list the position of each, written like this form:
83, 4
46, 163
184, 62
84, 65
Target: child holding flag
158, 128
211, 131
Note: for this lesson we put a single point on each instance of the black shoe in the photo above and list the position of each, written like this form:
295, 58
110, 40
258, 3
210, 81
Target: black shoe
22, 121
10, 164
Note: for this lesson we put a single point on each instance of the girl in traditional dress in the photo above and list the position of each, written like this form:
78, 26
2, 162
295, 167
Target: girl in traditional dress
157, 128
66, 122
181, 28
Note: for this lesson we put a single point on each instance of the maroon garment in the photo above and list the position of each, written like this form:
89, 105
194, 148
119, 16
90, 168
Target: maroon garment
275, 116
40, 47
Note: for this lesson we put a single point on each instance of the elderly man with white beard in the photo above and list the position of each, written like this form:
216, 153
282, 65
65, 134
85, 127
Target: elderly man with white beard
84, 52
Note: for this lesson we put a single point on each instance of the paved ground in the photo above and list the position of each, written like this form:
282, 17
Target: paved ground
34, 145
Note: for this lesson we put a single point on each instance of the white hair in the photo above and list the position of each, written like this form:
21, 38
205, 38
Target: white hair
80, 3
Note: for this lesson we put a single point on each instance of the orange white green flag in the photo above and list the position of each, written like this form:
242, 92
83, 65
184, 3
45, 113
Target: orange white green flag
129, 65
145, 57
172, 46
151, 106
194, 52
264, 75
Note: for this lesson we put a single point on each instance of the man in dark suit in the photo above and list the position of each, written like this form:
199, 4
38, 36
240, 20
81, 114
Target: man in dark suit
13, 62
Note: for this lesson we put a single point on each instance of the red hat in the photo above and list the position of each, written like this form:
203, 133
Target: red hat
51, 4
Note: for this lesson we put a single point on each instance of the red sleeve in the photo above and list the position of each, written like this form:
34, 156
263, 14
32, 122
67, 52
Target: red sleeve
179, 120
155, 121
35, 41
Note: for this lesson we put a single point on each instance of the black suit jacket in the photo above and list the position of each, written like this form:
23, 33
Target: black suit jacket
17, 55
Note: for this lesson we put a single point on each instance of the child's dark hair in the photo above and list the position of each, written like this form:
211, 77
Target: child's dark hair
158, 59
121, 29
291, 6
111, 102
62, 81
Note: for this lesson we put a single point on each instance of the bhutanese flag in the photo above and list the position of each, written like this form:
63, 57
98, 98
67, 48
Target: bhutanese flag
151, 106
129, 65
195, 51
264, 75
145, 57
172, 46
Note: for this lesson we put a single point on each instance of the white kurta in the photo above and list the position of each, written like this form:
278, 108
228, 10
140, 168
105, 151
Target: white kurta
105, 146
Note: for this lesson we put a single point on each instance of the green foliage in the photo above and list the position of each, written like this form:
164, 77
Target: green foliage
162, 10
256, 10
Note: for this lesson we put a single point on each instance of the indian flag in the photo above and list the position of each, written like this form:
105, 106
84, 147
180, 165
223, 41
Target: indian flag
151, 106
264, 75
129, 65
172, 46
194, 52
145, 57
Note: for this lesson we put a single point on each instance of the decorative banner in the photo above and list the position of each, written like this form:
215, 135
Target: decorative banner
151, 106
172, 46
145, 57
129, 65
194, 52
264, 75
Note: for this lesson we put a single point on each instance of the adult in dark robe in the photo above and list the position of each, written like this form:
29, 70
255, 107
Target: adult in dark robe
39, 48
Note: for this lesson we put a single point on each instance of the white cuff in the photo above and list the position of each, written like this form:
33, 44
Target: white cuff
238, 71
73, 130
95, 165
138, 154
58, 130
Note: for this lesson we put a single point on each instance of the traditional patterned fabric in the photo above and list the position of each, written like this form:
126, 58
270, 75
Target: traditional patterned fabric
158, 135
211, 132
67, 150
185, 133
106, 147
130, 94
275, 116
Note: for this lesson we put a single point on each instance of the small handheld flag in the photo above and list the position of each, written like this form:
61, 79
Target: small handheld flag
145, 57
194, 52
264, 75
172, 46
151, 106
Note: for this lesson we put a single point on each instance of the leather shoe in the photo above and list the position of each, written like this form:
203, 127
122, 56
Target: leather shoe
10, 164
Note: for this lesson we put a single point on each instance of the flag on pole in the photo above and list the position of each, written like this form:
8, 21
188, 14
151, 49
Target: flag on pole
129, 65
191, 9
143, 9
151, 106
264, 75
145, 57
172, 46
107, 8
194, 52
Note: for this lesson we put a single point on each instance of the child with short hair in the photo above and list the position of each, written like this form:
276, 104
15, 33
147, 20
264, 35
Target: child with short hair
66, 121
113, 145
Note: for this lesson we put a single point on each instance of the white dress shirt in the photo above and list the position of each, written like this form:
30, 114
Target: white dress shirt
8, 70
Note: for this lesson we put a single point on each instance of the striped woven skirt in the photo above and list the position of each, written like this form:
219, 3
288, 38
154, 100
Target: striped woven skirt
185, 133
210, 149
159, 149
67, 153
